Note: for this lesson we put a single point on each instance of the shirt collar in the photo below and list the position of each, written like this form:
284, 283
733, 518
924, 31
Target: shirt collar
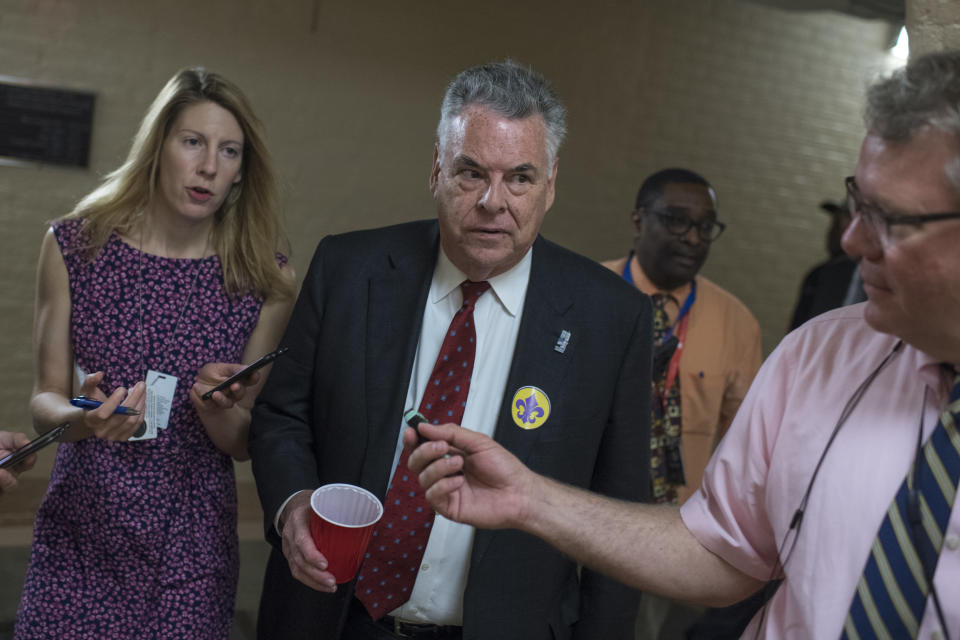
935, 375
510, 286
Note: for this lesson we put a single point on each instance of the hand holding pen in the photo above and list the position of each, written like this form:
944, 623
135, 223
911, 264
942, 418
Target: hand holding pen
117, 417
86, 403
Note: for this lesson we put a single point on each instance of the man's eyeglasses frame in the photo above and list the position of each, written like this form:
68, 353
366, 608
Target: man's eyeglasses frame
679, 225
882, 222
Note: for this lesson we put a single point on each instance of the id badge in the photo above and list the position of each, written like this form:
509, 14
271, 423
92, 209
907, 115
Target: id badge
160, 390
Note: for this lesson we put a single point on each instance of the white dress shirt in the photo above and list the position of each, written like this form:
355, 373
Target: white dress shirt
437, 595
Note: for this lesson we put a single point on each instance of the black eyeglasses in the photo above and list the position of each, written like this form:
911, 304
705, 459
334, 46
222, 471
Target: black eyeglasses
679, 224
889, 228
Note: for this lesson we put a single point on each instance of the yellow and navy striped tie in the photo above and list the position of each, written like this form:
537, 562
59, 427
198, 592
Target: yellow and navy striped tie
893, 589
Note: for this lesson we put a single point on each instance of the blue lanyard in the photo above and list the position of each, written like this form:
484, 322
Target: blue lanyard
691, 297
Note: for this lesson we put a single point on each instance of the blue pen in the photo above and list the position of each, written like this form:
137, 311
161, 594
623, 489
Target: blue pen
86, 403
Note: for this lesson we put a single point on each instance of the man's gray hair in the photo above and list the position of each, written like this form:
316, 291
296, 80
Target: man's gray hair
510, 90
926, 92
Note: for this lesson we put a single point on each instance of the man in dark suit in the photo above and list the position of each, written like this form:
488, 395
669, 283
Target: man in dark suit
834, 282
560, 355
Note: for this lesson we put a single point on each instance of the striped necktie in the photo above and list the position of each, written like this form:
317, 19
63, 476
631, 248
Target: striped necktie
893, 589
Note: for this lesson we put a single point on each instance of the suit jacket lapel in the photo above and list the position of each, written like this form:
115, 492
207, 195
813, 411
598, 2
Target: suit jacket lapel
536, 361
397, 294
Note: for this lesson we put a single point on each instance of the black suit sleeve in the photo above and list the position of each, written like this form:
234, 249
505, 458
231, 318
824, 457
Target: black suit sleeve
607, 607
282, 443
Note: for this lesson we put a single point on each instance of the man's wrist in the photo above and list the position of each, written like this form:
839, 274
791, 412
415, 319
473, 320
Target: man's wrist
528, 515
286, 509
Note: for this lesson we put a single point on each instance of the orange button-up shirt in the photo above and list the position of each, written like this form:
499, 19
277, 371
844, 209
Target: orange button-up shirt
721, 354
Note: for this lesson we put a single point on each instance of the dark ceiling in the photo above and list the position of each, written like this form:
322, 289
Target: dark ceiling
891, 10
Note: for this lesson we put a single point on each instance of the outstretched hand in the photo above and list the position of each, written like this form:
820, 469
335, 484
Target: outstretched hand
491, 492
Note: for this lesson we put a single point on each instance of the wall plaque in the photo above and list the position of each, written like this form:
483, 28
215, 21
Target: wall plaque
43, 124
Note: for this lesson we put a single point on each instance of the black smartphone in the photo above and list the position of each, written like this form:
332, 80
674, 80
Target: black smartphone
18, 455
246, 371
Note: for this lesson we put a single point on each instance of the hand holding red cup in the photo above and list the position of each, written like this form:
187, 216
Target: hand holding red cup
341, 525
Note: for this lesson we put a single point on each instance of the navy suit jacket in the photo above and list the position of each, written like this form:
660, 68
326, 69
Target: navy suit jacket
331, 407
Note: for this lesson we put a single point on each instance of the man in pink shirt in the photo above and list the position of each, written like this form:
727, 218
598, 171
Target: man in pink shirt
839, 474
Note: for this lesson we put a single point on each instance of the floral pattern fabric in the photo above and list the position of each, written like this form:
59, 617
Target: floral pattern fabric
138, 539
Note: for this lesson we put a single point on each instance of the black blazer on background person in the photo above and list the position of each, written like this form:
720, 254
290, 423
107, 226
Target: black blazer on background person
332, 407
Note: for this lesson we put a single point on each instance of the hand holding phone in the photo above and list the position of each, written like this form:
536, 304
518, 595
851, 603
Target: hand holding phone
17, 456
246, 372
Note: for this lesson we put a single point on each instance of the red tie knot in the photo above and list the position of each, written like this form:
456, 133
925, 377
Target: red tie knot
472, 291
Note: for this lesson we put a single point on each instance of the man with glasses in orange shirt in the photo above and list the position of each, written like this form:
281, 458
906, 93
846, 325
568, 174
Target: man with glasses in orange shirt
707, 348
708, 342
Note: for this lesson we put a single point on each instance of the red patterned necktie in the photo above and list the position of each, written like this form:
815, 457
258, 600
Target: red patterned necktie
396, 548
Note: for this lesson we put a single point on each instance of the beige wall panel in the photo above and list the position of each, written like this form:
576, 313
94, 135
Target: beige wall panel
765, 103
934, 25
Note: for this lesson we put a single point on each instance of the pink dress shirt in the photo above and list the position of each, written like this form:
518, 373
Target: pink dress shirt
759, 473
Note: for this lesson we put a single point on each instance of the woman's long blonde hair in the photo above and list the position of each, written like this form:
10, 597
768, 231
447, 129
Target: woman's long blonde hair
246, 233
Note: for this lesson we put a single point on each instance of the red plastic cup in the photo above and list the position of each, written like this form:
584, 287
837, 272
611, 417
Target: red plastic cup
342, 524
